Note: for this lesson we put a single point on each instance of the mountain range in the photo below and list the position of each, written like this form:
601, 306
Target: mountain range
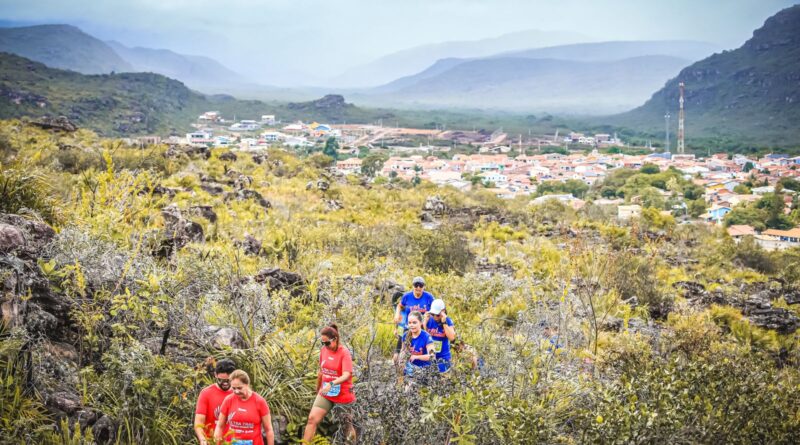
750, 94
589, 78
67, 47
412, 60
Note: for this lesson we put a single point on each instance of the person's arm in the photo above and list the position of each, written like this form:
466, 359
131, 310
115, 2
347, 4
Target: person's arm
200, 428
398, 317
219, 428
424, 357
266, 421
319, 380
449, 330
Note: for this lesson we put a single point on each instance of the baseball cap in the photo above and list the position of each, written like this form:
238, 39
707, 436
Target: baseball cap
437, 306
418, 280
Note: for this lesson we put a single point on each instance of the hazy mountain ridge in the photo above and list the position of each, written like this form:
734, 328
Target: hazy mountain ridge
750, 93
62, 46
412, 60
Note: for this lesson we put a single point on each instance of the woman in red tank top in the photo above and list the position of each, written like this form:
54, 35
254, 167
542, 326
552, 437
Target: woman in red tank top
334, 379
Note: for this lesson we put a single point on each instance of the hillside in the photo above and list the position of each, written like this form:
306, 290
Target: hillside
147, 103
412, 60
62, 46
616, 50
535, 85
127, 272
194, 71
750, 95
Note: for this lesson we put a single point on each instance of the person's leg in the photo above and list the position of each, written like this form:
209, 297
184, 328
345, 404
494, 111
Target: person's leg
318, 412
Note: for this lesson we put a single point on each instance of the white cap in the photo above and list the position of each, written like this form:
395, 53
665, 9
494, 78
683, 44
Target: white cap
437, 306
417, 280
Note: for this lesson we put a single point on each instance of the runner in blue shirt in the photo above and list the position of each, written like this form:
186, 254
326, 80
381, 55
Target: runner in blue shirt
418, 300
440, 326
418, 344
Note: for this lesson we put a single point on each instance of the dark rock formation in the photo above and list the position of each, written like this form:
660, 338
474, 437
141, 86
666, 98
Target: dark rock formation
244, 195
206, 212
278, 279
250, 245
228, 156
60, 123
178, 231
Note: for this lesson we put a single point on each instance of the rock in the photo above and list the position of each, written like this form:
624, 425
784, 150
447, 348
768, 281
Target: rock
243, 195
484, 267
220, 338
435, 205
242, 182
758, 309
278, 279
178, 231
105, 430
250, 245
65, 402
792, 296
36, 234
323, 185
228, 156
258, 158
61, 123
206, 212
333, 205
212, 188
11, 238
163, 191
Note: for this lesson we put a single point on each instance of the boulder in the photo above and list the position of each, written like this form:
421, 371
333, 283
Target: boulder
206, 212
435, 205
228, 156
221, 338
11, 238
212, 188
250, 245
243, 195
178, 231
258, 158
759, 310
60, 123
332, 205
278, 279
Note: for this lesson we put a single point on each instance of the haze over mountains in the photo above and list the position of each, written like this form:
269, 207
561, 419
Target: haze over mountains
67, 47
589, 78
412, 60
750, 93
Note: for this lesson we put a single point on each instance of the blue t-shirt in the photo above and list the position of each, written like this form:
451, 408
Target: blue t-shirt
441, 344
411, 303
419, 346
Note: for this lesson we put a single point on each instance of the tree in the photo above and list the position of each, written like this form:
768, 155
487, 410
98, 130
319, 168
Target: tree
742, 189
747, 166
331, 147
649, 169
372, 164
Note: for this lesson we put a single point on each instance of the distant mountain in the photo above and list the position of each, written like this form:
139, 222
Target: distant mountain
62, 46
140, 103
195, 71
748, 94
413, 60
620, 75
521, 84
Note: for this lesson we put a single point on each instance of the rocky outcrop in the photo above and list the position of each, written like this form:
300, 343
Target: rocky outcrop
759, 310
278, 279
250, 245
206, 212
484, 267
60, 123
228, 156
247, 194
178, 231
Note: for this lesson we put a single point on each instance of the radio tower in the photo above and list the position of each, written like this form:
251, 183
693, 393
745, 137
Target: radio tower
681, 117
666, 127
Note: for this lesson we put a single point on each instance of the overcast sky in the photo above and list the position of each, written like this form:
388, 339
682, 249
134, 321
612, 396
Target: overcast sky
304, 41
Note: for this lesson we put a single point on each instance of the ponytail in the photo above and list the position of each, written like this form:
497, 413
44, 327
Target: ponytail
331, 331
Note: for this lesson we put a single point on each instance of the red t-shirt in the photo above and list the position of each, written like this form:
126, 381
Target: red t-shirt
333, 365
208, 404
243, 417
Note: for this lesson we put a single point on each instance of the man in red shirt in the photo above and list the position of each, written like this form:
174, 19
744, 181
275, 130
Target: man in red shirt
210, 400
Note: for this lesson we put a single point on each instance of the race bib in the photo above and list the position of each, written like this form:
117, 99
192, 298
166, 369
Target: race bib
242, 442
334, 391
437, 346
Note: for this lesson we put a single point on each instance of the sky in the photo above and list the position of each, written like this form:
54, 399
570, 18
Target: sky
305, 42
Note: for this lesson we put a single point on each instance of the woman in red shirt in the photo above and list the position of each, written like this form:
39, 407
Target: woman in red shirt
245, 413
334, 379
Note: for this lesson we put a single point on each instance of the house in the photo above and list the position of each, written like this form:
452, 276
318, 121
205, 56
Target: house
268, 119
199, 138
348, 166
715, 214
210, 116
737, 232
495, 177
763, 190
790, 236
272, 136
630, 211
779, 239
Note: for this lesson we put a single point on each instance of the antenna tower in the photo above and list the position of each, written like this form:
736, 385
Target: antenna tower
681, 118
666, 127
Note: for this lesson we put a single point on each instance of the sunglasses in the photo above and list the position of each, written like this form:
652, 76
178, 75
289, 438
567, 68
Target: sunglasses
419, 285
326, 343
223, 380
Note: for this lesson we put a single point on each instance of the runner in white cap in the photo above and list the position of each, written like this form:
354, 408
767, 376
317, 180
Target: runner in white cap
440, 326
